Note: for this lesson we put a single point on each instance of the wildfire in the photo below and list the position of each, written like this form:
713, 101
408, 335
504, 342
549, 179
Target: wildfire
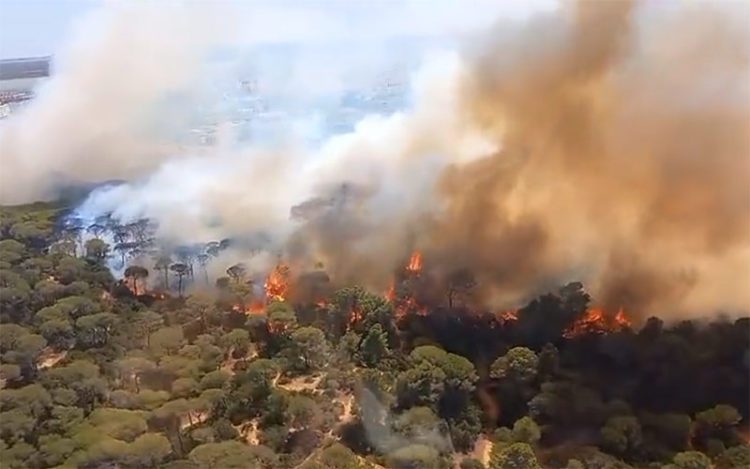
402, 306
390, 295
277, 283
507, 316
355, 316
405, 304
256, 307
596, 321
415, 263
622, 320
131, 285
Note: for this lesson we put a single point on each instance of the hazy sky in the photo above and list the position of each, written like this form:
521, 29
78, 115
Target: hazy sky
38, 27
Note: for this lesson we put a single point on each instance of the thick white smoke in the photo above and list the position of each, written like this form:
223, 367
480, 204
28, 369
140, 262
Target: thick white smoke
102, 115
233, 189
134, 75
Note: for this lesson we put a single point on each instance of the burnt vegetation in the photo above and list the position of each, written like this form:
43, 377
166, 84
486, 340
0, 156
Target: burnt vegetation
165, 364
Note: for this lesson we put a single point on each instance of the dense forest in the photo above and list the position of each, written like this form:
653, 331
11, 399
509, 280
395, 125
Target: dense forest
169, 368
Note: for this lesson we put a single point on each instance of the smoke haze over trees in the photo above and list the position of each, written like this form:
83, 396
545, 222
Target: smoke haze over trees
605, 149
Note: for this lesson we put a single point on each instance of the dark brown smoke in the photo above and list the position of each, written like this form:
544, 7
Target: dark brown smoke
604, 139
623, 161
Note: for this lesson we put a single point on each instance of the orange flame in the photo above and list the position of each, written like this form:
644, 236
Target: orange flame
596, 321
402, 305
355, 316
415, 263
256, 307
390, 295
277, 283
622, 320
130, 283
507, 316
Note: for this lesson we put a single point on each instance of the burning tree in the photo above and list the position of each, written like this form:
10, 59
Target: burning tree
402, 289
415, 263
133, 274
597, 321
277, 284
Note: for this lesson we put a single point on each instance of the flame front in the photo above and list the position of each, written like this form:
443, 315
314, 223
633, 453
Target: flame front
596, 321
256, 307
390, 295
415, 263
507, 316
622, 320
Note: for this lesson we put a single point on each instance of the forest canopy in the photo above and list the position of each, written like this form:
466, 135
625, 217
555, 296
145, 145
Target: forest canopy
149, 370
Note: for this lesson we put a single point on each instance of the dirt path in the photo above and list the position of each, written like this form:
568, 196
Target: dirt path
191, 420
249, 431
348, 402
48, 359
482, 450
309, 457
228, 364
299, 384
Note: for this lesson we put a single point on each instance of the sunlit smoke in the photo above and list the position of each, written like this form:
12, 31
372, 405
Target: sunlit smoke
604, 142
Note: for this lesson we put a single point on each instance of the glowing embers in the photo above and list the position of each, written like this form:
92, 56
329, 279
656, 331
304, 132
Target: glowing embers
597, 321
355, 316
277, 283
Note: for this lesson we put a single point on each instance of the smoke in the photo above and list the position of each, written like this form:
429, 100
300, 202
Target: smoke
605, 142
377, 420
103, 115
623, 159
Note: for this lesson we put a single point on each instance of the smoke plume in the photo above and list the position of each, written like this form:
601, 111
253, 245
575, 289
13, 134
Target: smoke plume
605, 142
625, 148
103, 114
623, 159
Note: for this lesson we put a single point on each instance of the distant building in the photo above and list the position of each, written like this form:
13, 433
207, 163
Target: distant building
18, 78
